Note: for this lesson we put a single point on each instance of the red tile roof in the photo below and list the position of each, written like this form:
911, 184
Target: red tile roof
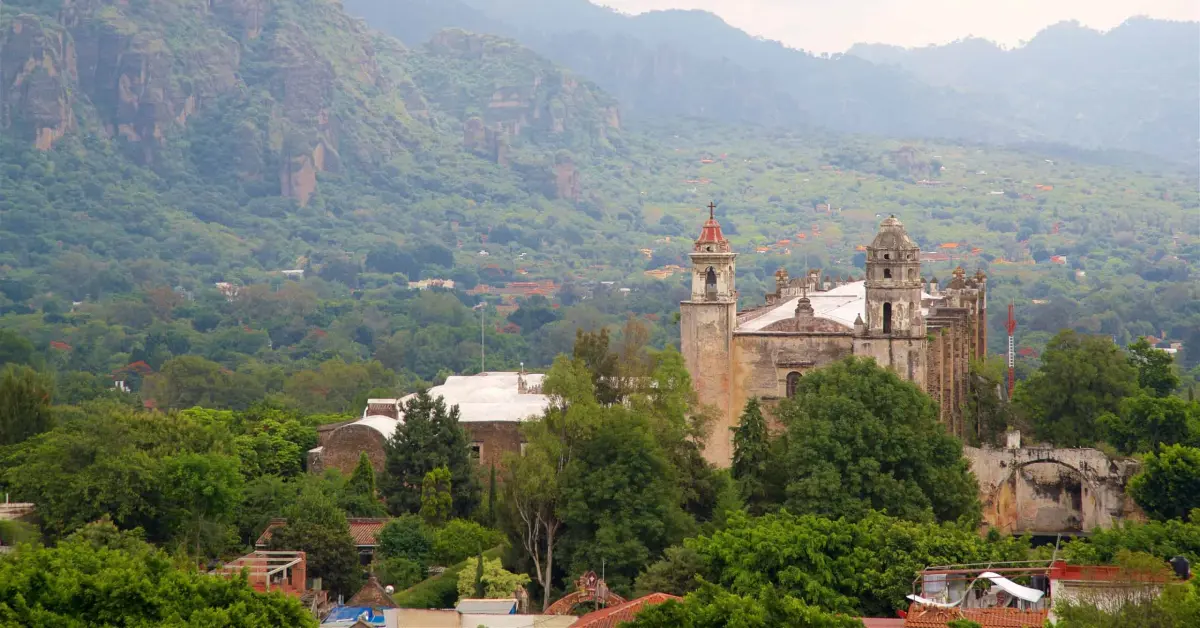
881, 622
931, 617
363, 530
613, 616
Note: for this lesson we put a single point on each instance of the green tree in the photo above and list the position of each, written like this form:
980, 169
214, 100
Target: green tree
859, 439
713, 607
533, 492
154, 591
1081, 377
497, 582
428, 438
621, 506
14, 348
593, 349
1155, 368
190, 380
436, 502
361, 498
751, 457
202, 492
460, 538
1144, 422
25, 398
1168, 485
408, 537
316, 526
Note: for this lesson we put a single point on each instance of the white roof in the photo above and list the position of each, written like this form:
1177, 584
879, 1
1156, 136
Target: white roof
491, 396
385, 425
842, 305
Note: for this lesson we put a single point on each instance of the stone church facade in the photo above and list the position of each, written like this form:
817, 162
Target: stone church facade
926, 335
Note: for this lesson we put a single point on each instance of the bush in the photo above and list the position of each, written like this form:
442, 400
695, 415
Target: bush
460, 539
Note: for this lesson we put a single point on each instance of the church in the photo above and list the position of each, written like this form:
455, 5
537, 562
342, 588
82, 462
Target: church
925, 334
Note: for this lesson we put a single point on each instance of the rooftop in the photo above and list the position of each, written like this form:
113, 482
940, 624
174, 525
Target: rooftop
492, 396
487, 607
614, 616
362, 529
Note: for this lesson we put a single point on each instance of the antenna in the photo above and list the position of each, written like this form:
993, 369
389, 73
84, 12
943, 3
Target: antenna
1012, 326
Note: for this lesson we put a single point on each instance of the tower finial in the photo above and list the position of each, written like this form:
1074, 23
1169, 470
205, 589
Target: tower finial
712, 207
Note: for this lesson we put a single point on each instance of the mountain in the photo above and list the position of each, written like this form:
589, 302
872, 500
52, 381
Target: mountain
1060, 88
192, 141
691, 63
1134, 87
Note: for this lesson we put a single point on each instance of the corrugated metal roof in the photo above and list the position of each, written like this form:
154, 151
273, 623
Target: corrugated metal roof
487, 607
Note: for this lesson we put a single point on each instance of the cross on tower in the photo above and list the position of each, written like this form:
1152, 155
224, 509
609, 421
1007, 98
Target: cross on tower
711, 208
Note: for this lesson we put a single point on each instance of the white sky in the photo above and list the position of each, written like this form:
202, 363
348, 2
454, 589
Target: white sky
834, 25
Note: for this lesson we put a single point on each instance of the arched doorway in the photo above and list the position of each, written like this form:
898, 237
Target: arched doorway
887, 318
793, 381
1042, 497
710, 284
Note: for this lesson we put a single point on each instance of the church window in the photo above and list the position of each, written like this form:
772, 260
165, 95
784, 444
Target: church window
887, 256
710, 284
476, 450
793, 381
887, 273
887, 318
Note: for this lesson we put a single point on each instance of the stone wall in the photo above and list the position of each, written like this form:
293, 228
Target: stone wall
496, 440
706, 335
1044, 490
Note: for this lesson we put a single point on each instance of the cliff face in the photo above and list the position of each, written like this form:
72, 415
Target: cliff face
138, 73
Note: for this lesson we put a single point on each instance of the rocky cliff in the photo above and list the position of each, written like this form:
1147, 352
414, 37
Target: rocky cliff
296, 84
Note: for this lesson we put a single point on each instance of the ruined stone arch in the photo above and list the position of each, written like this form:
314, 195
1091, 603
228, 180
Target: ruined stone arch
1045, 503
710, 284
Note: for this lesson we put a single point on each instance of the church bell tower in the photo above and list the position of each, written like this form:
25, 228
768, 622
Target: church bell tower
894, 330
707, 320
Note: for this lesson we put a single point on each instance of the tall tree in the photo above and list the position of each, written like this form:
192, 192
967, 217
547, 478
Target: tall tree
593, 349
360, 498
1081, 377
435, 497
491, 509
201, 493
428, 438
1168, 486
1155, 368
621, 504
532, 490
859, 438
317, 527
14, 348
751, 452
1144, 422
25, 397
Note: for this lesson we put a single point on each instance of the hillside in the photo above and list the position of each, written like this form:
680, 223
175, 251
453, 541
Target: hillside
1133, 87
151, 150
1057, 89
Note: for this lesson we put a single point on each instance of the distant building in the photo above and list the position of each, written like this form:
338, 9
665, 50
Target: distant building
425, 284
297, 273
491, 408
283, 571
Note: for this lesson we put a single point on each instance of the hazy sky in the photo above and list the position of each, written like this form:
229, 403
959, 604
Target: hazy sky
833, 25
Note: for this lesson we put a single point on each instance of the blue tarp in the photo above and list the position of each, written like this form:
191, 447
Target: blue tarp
347, 615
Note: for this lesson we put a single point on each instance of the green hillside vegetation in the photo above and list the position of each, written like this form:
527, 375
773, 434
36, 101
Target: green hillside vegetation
290, 137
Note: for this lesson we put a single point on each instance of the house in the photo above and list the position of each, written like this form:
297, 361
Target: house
990, 596
364, 531
270, 571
